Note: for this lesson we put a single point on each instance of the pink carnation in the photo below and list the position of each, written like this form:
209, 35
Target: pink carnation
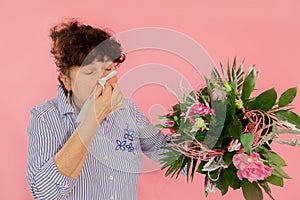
199, 108
251, 167
166, 122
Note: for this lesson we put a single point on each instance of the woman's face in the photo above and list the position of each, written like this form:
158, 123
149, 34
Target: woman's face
83, 80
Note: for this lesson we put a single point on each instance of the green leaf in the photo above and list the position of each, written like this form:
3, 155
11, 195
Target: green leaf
250, 104
234, 129
266, 100
228, 71
227, 157
200, 136
188, 170
251, 191
200, 167
186, 161
193, 168
276, 159
271, 156
214, 174
174, 166
247, 140
275, 180
287, 97
222, 184
248, 86
223, 71
267, 189
231, 178
289, 116
264, 152
277, 171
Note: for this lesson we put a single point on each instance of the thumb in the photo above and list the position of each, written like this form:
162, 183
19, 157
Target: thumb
107, 89
98, 91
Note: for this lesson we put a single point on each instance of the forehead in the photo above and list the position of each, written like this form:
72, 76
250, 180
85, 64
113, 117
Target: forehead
97, 64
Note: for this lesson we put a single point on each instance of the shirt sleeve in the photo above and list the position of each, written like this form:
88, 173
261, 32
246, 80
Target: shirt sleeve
44, 178
151, 138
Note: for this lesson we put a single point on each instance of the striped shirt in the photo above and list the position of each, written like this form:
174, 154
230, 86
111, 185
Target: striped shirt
113, 163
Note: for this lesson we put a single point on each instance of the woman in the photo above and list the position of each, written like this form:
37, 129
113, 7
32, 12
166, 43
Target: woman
99, 157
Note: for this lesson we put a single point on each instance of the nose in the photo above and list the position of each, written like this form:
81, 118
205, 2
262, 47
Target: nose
108, 69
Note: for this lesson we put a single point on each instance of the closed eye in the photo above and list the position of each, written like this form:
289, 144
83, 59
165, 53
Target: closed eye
108, 69
88, 72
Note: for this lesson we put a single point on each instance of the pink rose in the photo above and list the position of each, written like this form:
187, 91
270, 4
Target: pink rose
251, 167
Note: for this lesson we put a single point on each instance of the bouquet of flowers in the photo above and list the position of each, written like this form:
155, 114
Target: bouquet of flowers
224, 133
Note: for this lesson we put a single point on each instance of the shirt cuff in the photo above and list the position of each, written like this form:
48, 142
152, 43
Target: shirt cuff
50, 174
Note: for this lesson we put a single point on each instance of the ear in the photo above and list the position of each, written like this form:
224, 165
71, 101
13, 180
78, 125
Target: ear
65, 80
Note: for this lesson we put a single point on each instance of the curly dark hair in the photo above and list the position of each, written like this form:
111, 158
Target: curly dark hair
76, 44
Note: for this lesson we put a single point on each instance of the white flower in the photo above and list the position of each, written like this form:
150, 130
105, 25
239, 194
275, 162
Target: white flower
234, 145
214, 163
209, 185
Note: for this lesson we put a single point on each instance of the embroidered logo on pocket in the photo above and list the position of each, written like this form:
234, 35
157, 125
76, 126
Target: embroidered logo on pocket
127, 142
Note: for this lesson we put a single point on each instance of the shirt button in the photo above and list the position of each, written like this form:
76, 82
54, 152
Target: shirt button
100, 137
112, 197
105, 157
111, 178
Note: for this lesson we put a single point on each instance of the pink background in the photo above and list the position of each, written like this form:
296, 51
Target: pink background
266, 33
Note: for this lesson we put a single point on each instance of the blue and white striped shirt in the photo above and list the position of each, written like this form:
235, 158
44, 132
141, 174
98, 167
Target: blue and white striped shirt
112, 166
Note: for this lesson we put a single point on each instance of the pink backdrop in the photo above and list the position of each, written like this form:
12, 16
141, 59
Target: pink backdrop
265, 32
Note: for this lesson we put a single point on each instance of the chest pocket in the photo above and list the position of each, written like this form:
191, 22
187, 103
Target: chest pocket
117, 144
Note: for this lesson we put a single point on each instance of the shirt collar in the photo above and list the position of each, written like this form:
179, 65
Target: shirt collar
63, 106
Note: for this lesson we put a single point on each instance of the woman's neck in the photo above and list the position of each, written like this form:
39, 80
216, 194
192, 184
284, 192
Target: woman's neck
75, 105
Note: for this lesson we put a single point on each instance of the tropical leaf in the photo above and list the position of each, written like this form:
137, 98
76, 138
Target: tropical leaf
223, 71
248, 86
